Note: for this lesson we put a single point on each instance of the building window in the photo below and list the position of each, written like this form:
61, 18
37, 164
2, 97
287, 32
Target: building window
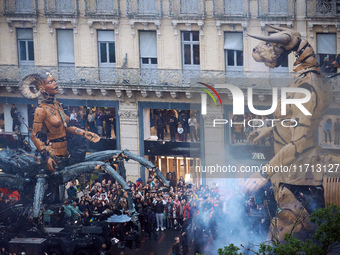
233, 7
148, 49
278, 7
105, 6
64, 6
326, 47
65, 47
191, 49
106, 48
147, 6
233, 47
24, 6
25, 46
189, 7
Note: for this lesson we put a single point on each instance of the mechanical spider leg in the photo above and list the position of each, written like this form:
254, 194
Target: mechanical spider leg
147, 164
39, 193
11, 181
69, 173
102, 155
109, 154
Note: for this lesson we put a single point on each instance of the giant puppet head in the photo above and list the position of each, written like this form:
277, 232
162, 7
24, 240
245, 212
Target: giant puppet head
42, 80
275, 48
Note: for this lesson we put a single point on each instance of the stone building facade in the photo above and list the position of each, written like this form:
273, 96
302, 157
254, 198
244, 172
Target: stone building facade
143, 57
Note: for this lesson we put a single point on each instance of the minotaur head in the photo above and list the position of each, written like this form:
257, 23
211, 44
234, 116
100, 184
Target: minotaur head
275, 47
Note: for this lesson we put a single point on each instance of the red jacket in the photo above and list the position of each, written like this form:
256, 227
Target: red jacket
186, 213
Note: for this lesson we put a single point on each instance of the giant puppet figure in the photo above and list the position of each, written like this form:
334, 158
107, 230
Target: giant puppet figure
26, 172
298, 192
49, 117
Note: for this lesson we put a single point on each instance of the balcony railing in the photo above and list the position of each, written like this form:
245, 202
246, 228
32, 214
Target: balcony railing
58, 8
94, 77
276, 9
103, 8
20, 7
187, 9
322, 9
231, 9
144, 8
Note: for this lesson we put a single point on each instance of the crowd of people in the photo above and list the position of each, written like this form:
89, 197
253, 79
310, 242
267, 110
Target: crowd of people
193, 211
178, 127
241, 129
94, 120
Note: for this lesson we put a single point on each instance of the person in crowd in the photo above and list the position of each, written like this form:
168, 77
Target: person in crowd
159, 206
150, 222
180, 132
173, 122
181, 182
184, 123
76, 213
73, 118
3, 251
91, 121
327, 66
16, 119
60, 217
337, 131
99, 122
47, 217
103, 250
160, 125
176, 249
72, 192
192, 122
169, 205
67, 210
184, 243
86, 218
327, 128
108, 123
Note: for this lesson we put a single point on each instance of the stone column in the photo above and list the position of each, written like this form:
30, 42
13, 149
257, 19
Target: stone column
214, 144
129, 137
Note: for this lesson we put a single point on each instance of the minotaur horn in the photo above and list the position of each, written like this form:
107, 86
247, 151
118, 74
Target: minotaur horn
24, 86
281, 38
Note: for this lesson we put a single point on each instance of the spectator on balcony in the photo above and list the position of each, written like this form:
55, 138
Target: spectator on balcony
73, 118
108, 123
99, 122
160, 124
184, 122
90, 119
192, 122
328, 67
328, 129
173, 127
16, 119
180, 131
